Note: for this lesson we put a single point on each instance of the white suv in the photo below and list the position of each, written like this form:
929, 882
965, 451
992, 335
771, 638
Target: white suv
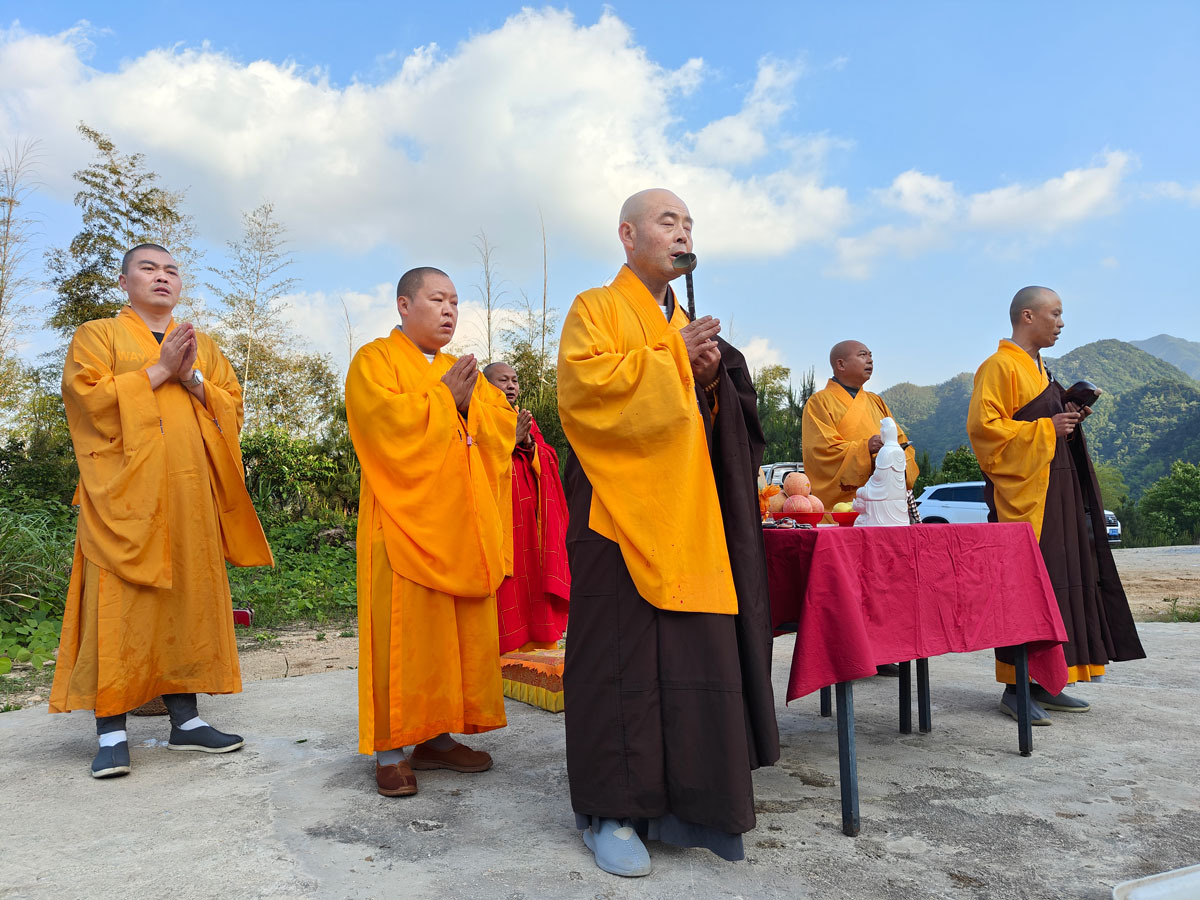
958, 502
962, 501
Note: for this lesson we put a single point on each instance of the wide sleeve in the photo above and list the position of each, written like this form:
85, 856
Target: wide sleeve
1006, 447
220, 420
625, 399
121, 450
632, 418
834, 458
435, 483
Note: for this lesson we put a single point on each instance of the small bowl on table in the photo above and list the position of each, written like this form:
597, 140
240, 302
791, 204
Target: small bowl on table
844, 518
800, 518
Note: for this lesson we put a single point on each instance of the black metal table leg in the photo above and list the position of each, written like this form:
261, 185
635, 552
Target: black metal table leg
924, 713
827, 701
906, 697
1024, 720
847, 758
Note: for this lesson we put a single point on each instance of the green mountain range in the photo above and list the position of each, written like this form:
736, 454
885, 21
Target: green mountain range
1177, 351
1147, 417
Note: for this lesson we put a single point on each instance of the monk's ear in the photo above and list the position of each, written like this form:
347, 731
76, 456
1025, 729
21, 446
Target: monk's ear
402, 306
627, 233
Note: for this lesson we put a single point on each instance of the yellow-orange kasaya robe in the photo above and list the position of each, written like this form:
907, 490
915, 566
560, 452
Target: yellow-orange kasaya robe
162, 505
1014, 454
627, 400
836, 429
434, 544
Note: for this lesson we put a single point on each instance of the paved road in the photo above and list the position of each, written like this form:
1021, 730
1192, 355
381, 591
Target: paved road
1107, 796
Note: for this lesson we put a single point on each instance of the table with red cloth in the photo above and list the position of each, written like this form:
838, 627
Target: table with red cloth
859, 597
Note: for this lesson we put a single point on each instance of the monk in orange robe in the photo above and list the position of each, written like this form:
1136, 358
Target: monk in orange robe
667, 683
154, 411
434, 540
1034, 457
840, 433
532, 604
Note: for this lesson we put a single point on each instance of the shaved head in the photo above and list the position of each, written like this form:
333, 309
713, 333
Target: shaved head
844, 350
494, 370
414, 279
634, 209
1032, 298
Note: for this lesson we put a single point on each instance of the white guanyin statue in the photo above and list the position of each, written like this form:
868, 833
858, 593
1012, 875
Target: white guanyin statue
883, 500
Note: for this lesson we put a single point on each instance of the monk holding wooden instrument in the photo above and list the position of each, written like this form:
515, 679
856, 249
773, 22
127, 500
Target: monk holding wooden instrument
668, 665
1035, 460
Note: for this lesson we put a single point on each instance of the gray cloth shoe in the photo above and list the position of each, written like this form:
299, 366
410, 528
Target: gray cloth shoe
206, 739
111, 761
1059, 702
1037, 715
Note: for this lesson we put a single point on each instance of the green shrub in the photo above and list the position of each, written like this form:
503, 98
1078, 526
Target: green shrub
313, 578
37, 540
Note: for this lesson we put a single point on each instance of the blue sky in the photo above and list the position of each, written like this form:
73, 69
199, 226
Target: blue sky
886, 172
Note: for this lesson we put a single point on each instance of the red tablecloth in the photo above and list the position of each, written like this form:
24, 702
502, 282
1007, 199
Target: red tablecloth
861, 597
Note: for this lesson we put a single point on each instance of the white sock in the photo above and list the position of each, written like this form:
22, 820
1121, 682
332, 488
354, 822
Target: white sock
442, 742
193, 722
389, 757
112, 738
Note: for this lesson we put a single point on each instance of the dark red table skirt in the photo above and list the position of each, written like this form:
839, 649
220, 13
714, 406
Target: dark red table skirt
861, 597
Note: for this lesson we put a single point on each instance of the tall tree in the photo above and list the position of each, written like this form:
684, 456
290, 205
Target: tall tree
122, 205
18, 180
490, 295
251, 295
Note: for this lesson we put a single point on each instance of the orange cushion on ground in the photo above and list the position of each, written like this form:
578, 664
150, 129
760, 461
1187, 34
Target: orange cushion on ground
534, 677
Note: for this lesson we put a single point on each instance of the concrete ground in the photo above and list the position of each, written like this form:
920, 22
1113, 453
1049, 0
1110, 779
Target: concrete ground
1107, 796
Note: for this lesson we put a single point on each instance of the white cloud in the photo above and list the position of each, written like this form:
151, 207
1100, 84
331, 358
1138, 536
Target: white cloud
539, 112
1176, 191
857, 255
920, 195
320, 318
759, 352
1076, 195
741, 138
941, 212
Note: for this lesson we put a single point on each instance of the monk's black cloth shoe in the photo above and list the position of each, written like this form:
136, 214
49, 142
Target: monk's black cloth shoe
111, 761
206, 739
888, 670
1008, 706
1060, 702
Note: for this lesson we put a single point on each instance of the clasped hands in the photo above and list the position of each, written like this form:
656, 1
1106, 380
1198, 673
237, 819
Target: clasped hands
703, 352
460, 378
176, 356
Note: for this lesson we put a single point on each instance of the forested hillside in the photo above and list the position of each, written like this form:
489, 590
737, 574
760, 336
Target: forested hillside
1148, 416
1177, 351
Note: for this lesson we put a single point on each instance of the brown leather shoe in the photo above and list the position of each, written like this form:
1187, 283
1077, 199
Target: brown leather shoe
458, 758
395, 781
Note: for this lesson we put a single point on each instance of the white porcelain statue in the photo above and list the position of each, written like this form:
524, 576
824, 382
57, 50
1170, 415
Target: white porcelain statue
883, 500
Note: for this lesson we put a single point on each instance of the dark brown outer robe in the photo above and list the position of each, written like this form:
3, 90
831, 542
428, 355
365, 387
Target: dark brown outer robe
668, 712
1074, 544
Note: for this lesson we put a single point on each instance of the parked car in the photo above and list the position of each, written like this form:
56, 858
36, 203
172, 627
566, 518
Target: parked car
958, 502
962, 501
774, 473
1114, 527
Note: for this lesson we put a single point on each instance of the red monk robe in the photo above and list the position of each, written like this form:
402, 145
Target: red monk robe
162, 505
532, 604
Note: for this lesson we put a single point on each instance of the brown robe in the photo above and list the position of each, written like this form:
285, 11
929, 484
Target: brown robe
1074, 544
668, 712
